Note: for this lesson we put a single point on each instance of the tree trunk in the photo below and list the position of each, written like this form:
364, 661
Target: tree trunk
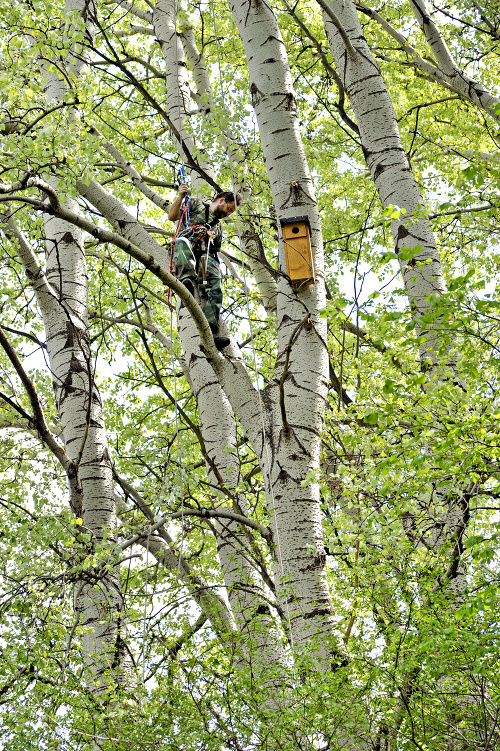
289, 453
391, 172
100, 605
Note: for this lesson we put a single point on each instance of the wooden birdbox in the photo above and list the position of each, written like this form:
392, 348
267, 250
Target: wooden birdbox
298, 255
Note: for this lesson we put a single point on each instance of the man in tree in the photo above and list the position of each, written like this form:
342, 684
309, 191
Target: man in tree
196, 259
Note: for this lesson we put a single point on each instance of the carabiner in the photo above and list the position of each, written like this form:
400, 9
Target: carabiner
181, 175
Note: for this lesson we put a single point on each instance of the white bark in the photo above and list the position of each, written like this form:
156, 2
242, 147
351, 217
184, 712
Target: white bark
251, 243
128, 227
387, 161
457, 79
130, 170
471, 155
123, 222
261, 643
396, 185
287, 456
446, 72
177, 82
261, 648
137, 12
147, 30
45, 294
80, 413
204, 97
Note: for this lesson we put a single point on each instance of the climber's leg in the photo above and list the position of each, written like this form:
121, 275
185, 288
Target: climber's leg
185, 263
211, 298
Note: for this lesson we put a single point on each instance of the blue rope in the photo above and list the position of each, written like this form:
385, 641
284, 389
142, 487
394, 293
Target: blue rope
182, 178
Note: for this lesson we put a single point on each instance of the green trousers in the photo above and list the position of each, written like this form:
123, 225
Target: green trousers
187, 266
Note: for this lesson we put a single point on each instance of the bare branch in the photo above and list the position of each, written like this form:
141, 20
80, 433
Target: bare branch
142, 14
166, 553
444, 71
127, 167
326, 7
138, 324
339, 106
38, 415
224, 514
148, 30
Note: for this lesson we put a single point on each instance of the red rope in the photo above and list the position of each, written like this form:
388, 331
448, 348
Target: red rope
172, 249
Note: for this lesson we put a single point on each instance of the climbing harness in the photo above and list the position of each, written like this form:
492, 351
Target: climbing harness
201, 240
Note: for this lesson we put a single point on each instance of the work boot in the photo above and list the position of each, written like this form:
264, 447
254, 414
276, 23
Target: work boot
220, 341
189, 285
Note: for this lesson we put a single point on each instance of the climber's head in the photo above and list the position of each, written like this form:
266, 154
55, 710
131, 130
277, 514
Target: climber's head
225, 203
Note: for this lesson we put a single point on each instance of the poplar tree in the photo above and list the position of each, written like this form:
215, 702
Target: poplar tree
290, 543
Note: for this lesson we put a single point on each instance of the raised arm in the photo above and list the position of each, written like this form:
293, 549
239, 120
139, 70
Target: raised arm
175, 209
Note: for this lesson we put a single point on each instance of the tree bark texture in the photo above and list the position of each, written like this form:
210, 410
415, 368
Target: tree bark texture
260, 649
177, 81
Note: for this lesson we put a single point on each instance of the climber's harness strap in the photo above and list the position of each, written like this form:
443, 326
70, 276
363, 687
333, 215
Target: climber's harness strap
202, 236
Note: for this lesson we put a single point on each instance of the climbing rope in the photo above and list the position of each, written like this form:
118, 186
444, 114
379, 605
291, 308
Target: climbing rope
182, 178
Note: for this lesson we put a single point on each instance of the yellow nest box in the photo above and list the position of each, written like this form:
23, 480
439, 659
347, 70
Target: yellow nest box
298, 255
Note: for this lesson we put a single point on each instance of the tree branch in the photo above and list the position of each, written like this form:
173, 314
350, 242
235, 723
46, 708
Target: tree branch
339, 106
221, 514
38, 418
454, 79
147, 260
142, 14
325, 6
127, 167
148, 30
164, 551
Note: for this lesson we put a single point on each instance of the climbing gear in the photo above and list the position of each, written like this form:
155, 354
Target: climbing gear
203, 231
195, 258
182, 178
203, 262
188, 266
